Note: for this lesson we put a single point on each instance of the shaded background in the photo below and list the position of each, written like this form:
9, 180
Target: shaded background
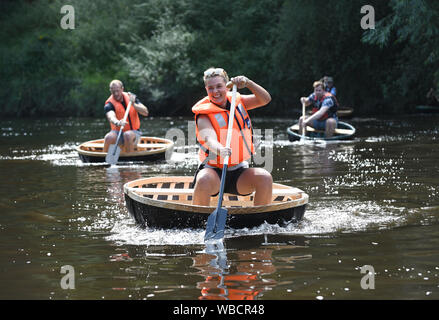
159, 49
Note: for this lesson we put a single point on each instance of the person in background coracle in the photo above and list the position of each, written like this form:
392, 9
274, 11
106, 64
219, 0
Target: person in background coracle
329, 85
324, 111
115, 108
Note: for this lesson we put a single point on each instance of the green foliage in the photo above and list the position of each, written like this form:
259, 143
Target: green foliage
184, 40
317, 38
161, 64
160, 48
411, 33
52, 71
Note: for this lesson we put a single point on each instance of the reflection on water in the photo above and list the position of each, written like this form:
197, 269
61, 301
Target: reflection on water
239, 280
239, 274
373, 201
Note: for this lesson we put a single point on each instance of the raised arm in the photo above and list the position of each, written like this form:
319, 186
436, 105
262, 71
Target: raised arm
140, 108
260, 96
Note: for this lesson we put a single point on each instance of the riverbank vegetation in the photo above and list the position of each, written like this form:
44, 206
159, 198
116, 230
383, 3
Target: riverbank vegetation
160, 48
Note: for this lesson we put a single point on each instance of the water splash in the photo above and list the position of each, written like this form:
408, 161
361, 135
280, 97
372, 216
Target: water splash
328, 218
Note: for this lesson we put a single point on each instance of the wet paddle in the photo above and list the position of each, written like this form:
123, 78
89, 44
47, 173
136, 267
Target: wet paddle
114, 150
217, 219
303, 126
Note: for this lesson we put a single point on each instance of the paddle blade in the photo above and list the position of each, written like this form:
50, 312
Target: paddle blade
112, 154
216, 224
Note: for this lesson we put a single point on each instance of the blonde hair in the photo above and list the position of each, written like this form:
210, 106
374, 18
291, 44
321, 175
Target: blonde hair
214, 72
116, 82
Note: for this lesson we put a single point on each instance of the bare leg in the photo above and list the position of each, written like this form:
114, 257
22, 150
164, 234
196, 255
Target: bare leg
207, 184
129, 137
331, 124
258, 180
110, 138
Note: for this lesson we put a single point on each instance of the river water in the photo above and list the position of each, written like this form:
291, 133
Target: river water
373, 207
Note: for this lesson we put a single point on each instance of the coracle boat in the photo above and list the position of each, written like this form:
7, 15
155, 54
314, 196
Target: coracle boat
166, 203
344, 131
148, 149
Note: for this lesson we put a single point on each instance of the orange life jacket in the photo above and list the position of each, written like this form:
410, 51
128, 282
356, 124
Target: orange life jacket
133, 117
331, 110
242, 133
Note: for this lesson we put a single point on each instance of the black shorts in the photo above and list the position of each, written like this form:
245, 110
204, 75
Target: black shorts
232, 177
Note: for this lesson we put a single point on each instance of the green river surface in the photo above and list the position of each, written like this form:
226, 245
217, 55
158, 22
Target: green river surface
373, 201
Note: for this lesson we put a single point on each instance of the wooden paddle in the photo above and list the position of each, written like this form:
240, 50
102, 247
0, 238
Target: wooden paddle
303, 120
114, 149
217, 219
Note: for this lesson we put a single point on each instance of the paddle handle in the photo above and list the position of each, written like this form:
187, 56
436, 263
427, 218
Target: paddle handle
231, 119
228, 141
124, 119
303, 119
126, 115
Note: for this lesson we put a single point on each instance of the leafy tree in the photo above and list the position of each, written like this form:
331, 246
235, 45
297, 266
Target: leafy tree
160, 48
411, 31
